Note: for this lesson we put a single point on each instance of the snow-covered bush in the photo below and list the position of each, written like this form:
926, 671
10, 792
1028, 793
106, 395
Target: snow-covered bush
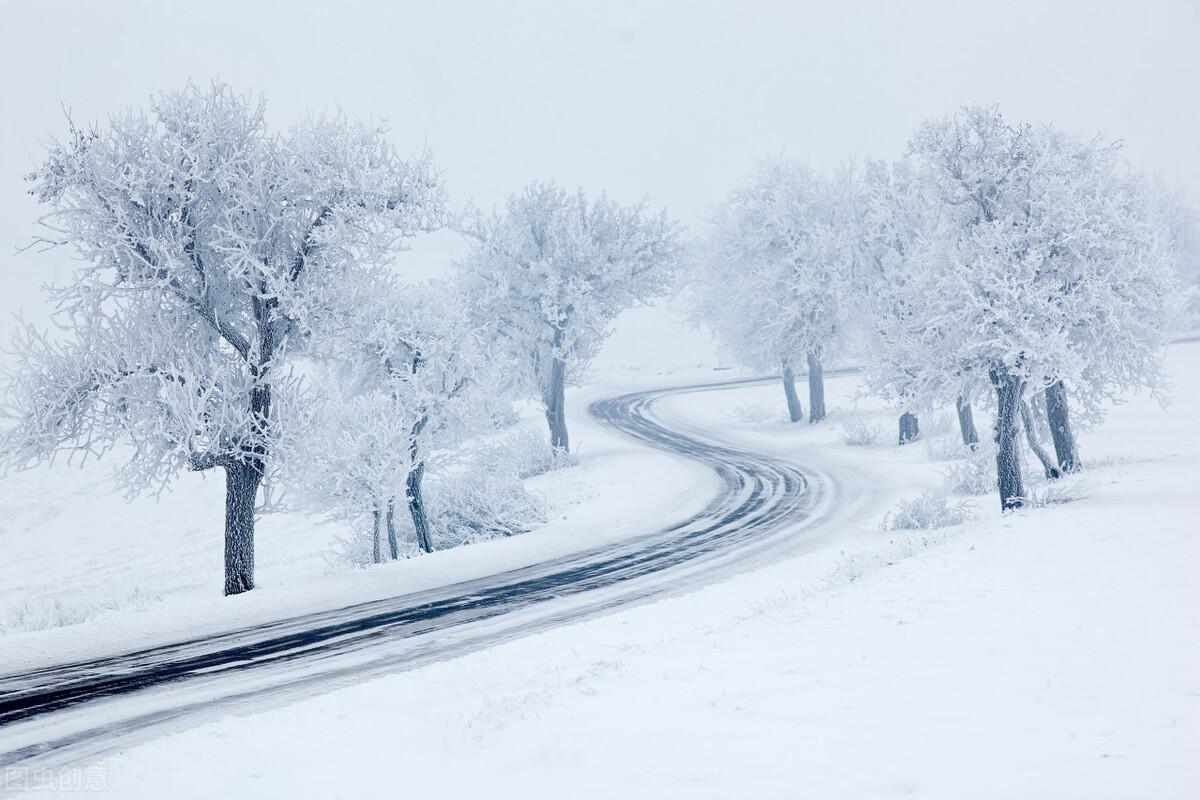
356, 549
1055, 493
42, 613
938, 423
475, 507
973, 475
857, 432
929, 510
754, 414
945, 448
477, 497
524, 453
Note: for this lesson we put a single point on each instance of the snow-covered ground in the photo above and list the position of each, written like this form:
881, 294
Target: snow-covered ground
78, 552
1054, 652
87, 572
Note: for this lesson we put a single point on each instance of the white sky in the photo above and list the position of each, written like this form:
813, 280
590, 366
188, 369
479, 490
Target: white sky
670, 100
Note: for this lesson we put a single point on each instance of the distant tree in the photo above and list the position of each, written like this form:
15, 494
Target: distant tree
210, 248
552, 271
1033, 259
1182, 220
893, 217
774, 273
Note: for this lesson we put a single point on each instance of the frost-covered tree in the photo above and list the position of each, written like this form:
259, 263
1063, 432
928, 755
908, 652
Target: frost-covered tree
549, 275
405, 377
774, 272
890, 228
210, 246
1035, 261
1182, 219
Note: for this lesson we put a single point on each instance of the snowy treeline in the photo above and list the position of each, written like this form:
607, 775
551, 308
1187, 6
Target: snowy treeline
996, 264
239, 309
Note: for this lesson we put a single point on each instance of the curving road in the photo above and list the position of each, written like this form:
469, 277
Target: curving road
765, 508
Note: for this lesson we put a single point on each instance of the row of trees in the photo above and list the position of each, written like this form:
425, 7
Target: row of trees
996, 263
237, 310
237, 307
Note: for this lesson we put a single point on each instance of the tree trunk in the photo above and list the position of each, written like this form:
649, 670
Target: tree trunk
416, 508
242, 478
241, 491
1031, 436
966, 423
910, 428
816, 389
1059, 419
556, 411
795, 411
1008, 456
393, 542
413, 496
376, 535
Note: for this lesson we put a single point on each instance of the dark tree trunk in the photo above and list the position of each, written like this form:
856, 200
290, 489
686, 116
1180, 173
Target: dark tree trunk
393, 542
966, 423
910, 427
416, 508
795, 411
556, 410
816, 389
376, 535
242, 479
1008, 455
413, 495
1059, 419
1031, 436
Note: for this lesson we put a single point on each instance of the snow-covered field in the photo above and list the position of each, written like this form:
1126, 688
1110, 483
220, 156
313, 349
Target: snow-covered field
1054, 652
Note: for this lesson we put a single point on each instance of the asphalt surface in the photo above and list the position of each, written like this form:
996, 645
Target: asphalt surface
765, 509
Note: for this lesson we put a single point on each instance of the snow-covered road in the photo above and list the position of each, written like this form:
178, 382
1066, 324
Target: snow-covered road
766, 508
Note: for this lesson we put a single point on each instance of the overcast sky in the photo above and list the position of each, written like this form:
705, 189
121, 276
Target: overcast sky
669, 100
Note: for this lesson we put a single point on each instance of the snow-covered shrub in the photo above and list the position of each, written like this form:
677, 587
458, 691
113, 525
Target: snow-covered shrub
469, 508
42, 613
973, 475
938, 425
856, 432
930, 510
356, 548
1054, 493
473, 495
524, 453
945, 448
36, 614
755, 414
